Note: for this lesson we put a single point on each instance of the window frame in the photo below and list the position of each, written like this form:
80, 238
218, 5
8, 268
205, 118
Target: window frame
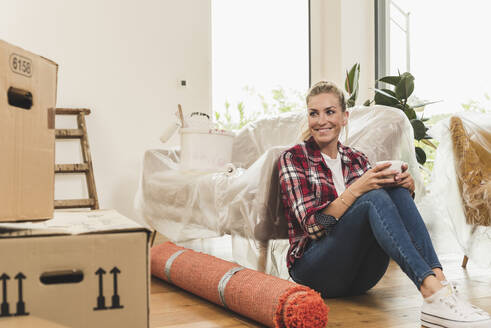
382, 39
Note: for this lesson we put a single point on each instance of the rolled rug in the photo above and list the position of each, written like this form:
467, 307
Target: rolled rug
269, 300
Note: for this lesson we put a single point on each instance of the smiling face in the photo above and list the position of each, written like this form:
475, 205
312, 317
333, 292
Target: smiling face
326, 119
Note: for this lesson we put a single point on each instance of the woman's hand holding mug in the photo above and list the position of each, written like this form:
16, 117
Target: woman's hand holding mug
378, 177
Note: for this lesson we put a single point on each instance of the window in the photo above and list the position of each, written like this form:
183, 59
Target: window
260, 58
442, 44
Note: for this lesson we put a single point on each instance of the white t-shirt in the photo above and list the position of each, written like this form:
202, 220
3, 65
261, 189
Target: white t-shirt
335, 166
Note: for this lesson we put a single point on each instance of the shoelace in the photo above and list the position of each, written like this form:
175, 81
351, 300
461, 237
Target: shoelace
453, 299
457, 306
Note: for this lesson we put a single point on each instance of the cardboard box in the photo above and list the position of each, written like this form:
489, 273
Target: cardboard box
28, 321
80, 269
27, 144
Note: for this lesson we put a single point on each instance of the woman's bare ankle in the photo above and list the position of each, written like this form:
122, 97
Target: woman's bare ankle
430, 285
439, 274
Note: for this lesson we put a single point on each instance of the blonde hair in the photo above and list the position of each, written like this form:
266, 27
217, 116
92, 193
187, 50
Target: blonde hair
317, 89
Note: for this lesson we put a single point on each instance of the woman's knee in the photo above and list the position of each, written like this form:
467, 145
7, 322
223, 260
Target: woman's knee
358, 212
398, 191
375, 195
374, 201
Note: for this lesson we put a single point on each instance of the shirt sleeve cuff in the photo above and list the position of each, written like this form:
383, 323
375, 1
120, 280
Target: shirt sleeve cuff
327, 221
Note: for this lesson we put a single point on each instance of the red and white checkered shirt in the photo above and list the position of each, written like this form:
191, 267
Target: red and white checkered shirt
307, 187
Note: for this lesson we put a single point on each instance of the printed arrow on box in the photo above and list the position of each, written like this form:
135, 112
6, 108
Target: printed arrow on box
101, 301
4, 309
115, 298
21, 306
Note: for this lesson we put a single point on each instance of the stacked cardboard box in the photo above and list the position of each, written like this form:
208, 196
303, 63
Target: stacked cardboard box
27, 99
79, 269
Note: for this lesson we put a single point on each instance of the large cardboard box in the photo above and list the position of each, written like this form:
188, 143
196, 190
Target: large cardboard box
27, 144
80, 269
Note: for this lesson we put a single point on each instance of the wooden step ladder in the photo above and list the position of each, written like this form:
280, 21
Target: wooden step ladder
86, 167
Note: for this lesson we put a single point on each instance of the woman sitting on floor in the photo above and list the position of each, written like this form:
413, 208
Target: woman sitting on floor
346, 219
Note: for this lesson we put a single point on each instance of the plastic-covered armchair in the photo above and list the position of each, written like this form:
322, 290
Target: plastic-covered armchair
460, 188
185, 205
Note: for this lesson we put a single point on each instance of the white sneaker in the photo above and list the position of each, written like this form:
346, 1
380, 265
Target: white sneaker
446, 309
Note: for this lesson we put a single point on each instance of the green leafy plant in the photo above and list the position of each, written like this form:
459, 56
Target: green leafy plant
396, 95
351, 84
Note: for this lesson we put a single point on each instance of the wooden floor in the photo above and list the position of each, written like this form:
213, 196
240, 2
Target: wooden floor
394, 302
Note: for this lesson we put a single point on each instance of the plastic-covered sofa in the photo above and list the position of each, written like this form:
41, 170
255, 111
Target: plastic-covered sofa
187, 205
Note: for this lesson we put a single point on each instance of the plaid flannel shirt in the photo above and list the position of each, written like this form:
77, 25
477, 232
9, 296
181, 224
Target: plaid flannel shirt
307, 188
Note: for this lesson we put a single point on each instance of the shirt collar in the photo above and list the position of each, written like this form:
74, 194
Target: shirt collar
314, 152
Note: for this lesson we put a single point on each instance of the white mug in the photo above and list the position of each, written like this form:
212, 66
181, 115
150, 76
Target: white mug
394, 165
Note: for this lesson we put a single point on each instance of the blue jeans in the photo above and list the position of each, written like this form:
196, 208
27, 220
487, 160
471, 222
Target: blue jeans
381, 224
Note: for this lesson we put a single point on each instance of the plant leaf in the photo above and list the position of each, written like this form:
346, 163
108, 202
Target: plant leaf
407, 75
350, 102
394, 80
347, 83
356, 79
385, 97
240, 109
420, 155
403, 107
388, 93
429, 143
405, 87
419, 129
410, 113
426, 103
351, 82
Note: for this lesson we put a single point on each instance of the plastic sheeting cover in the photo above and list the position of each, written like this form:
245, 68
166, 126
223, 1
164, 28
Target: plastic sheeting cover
185, 205
453, 186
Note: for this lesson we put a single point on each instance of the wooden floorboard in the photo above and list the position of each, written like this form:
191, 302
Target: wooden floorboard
394, 302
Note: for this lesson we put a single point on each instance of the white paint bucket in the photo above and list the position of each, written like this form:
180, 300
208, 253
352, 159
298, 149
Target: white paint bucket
206, 149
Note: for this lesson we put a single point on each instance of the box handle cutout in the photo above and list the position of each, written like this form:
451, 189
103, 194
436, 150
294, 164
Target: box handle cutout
62, 277
19, 98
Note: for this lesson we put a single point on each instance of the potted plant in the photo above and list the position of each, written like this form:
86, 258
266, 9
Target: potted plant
400, 88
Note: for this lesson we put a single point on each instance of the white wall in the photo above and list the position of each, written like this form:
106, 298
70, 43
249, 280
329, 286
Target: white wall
342, 34
122, 59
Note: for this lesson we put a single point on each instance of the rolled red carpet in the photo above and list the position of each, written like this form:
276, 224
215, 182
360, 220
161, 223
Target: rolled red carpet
269, 300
